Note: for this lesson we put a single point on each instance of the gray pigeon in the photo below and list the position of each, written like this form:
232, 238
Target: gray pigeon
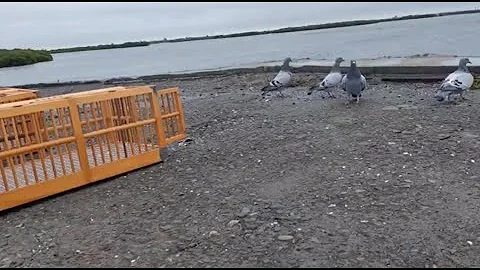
353, 82
457, 82
282, 80
331, 81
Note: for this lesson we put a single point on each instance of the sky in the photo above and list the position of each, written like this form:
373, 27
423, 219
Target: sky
50, 25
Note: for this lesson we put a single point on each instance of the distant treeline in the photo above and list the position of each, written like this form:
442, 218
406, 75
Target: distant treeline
22, 57
254, 33
317, 26
102, 47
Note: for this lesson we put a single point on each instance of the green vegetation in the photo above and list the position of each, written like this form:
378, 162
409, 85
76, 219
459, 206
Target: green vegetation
21, 57
101, 47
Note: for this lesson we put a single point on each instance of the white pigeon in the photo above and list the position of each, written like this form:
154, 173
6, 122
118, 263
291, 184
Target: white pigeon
282, 80
331, 81
457, 82
354, 83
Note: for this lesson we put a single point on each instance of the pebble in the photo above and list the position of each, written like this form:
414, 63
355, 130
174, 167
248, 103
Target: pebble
166, 227
444, 136
285, 237
244, 212
213, 233
233, 222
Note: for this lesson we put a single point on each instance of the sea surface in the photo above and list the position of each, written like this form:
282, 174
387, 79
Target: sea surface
449, 35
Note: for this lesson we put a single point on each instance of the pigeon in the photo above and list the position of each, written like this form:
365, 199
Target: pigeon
353, 82
457, 82
282, 80
331, 81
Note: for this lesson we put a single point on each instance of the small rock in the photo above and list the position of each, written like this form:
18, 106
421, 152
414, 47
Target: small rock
285, 237
444, 136
244, 212
315, 240
232, 223
166, 227
213, 233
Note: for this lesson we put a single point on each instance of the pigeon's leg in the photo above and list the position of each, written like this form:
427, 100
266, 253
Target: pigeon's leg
358, 99
330, 95
462, 96
280, 92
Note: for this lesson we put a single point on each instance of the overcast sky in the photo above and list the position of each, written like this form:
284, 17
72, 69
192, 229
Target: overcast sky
54, 25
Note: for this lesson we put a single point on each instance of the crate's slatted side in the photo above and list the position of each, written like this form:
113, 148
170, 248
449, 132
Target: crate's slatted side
31, 153
173, 118
118, 128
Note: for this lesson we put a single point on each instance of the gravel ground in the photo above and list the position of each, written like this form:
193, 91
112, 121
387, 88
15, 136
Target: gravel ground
299, 181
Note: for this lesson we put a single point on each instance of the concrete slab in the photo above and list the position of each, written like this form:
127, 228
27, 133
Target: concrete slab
437, 66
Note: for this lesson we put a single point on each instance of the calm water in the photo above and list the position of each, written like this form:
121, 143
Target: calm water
452, 35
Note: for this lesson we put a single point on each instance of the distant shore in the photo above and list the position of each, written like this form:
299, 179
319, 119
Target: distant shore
266, 32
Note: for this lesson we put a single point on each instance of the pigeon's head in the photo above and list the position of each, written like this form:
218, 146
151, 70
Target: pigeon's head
464, 62
353, 63
339, 60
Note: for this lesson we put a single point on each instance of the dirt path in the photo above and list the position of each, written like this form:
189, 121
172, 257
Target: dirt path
295, 182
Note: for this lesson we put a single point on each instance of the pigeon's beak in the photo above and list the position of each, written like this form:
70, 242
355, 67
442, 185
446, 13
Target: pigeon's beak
468, 62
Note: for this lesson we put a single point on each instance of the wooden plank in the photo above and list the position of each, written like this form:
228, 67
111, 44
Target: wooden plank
125, 165
41, 190
30, 106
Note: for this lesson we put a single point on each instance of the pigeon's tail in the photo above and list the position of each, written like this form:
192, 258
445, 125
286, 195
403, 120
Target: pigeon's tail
268, 88
312, 89
317, 87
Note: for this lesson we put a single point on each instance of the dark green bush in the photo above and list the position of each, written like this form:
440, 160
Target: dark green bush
22, 57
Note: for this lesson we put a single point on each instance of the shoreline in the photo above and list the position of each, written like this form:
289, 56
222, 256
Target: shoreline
309, 27
394, 69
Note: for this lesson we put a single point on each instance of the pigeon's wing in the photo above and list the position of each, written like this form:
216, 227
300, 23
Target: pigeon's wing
457, 81
331, 80
447, 79
343, 82
283, 78
354, 86
364, 82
